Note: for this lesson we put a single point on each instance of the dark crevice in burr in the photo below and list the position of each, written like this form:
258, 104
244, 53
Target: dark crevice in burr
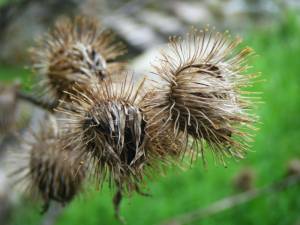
112, 135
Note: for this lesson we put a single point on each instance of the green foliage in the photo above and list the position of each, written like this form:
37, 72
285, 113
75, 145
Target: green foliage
275, 143
10, 74
3, 2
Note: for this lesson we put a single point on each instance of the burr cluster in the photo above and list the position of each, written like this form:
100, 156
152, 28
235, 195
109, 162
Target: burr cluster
110, 128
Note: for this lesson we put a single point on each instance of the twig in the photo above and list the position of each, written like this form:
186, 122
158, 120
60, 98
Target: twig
49, 106
117, 204
232, 201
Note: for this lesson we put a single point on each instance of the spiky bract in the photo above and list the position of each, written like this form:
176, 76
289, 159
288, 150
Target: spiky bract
51, 171
198, 93
107, 125
76, 51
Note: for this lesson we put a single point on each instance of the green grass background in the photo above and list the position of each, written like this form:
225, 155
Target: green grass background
275, 144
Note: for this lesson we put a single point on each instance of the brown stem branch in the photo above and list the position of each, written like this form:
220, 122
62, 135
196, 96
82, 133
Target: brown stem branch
49, 106
117, 204
231, 201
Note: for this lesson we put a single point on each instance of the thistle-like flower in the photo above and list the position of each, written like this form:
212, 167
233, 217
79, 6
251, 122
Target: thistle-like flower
200, 93
47, 169
106, 124
75, 52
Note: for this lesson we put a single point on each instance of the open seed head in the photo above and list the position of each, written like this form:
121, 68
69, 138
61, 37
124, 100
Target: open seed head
107, 125
76, 51
200, 92
49, 170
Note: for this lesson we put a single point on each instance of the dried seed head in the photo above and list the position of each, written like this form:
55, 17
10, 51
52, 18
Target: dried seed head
108, 125
76, 51
50, 170
199, 92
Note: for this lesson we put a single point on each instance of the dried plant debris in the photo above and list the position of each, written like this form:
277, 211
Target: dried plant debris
244, 180
293, 167
47, 169
108, 125
75, 51
200, 93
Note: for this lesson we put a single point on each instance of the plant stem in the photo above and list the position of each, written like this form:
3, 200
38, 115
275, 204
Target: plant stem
49, 106
232, 201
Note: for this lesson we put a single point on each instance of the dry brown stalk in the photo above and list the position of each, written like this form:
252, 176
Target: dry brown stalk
232, 201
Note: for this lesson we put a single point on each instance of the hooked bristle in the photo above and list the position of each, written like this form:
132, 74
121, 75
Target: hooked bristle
107, 124
75, 52
165, 149
199, 93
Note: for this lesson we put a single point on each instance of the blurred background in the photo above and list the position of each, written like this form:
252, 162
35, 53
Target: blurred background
250, 191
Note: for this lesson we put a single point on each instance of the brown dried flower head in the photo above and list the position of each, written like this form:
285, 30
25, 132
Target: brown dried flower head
107, 125
199, 92
76, 51
50, 170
